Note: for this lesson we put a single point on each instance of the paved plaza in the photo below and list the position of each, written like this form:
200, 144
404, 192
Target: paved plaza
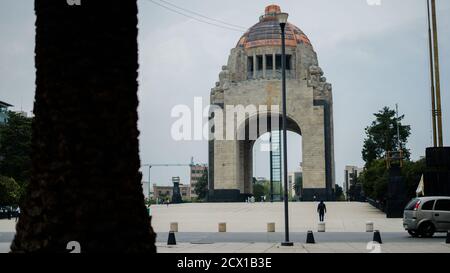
253, 217
304, 248
247, 229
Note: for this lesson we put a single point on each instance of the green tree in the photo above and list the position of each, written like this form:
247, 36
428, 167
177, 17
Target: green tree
10, 191
339, 193
259, 192
381, 136
375, 178
201, 187
15, 148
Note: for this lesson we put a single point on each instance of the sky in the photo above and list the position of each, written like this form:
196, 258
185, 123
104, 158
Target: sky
374, 56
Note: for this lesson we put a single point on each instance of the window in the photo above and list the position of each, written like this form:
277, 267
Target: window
288, 62
428, 205
259, 63
250, 64
278, 64
442, 205
269, 62
411, 205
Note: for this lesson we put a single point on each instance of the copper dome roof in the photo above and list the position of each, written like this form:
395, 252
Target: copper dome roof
268, 33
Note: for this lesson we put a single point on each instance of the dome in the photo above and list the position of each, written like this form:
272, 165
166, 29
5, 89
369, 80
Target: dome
268, 33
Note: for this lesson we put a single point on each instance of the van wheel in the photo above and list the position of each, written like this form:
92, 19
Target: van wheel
413, 233
426, 230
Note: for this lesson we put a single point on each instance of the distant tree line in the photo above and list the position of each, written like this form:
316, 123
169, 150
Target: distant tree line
382, 136
201, 187
15, 160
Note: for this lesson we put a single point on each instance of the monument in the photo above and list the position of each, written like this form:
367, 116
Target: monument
252, 77
176, 195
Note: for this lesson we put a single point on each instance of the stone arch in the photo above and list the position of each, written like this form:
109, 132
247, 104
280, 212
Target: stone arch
292, 124
245, 147
309, 105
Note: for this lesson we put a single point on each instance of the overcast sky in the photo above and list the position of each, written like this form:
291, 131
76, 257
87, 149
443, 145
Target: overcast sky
374, 56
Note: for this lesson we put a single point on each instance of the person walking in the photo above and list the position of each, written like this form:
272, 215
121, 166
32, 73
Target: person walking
321, 209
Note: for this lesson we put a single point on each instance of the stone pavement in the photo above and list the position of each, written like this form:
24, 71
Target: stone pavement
305, 248
7, 230
320, 237
247, 223
4, 247
7, 225
253, 217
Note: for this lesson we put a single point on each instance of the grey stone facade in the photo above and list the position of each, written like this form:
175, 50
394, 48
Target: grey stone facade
252, 77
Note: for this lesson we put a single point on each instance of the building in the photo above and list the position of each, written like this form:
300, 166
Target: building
293, 177
252, 78
175, 192
3, 111
350, 173
197, 172
163, 193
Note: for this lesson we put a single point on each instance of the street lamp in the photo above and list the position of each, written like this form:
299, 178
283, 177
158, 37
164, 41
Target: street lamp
282, 19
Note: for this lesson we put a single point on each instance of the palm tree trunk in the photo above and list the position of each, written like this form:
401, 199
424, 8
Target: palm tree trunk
85, 185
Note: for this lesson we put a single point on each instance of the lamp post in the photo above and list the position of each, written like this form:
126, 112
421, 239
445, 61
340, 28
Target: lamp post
282, 19
437, 79
433, 91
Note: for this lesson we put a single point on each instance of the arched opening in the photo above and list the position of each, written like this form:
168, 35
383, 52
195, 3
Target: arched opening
266, 178
258, 148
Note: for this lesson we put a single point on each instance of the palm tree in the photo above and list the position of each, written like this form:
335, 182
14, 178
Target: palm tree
85, 185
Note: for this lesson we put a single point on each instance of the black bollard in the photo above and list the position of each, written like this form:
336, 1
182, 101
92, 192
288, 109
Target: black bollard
171, 241
377, 237
447, 241
310, 238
